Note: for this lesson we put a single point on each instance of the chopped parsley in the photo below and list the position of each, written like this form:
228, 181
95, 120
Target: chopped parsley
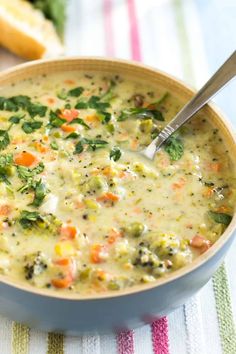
55, 121
16, 119
25, 173
72, 135
174, 147
6, 162
4, 139
76, 92
13, 104
81, 122
30, 127
93, 144
220, 218
29, 219
36, 109
40, 190
141, 113
115, 153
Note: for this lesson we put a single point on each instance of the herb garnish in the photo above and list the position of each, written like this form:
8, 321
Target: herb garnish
109, 94
25, 172
81, 105
16, 102
6, 162
30, 127
81, 122
4, 139
36, 109
220, 218
40, 191
55, 121
76, 92
141, 113
174, 147
96, 103
115, 153
16, 119
72, 135
93, 144
29, 219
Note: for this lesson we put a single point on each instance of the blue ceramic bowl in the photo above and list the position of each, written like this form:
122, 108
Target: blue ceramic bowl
131, 307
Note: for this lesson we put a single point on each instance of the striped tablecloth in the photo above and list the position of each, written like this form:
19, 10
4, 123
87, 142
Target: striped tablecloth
189, 39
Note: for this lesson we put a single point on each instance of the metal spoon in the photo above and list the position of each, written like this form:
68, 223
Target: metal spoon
224, 74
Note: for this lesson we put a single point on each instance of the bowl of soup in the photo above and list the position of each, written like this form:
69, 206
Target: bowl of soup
93, 236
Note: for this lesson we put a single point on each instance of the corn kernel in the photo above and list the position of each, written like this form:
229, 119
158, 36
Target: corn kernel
92, 218
64, 249
91, 204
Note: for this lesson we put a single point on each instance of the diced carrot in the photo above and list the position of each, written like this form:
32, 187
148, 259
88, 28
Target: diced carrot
223, 209
51, 100
113, 235
215, 166
5, 209
108, 197
108, 171
68, 232
201, 243
65, 262
180, 184
40, 147
69, 82
96, 253
137, 210
79, 205
62, 283
25, 158
68, 128
208, 192
69, 114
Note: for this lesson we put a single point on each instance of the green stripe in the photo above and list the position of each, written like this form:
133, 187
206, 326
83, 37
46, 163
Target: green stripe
55, 343
20, 338
220, 281
224, 311
185, 51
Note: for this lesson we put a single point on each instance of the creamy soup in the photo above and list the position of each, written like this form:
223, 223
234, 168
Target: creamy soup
80, 209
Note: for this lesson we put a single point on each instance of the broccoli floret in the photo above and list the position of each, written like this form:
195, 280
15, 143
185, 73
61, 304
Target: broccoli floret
35, 265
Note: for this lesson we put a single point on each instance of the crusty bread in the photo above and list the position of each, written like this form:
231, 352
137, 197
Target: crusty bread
25, 31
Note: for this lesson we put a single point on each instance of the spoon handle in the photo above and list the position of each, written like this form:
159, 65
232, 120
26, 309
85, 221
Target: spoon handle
223, 75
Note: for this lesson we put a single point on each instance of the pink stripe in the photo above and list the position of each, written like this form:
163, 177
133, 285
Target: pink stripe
134, 31
108, 28
125, 341
160, 340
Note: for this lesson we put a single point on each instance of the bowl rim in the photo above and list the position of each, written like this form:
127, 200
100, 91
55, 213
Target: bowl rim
140, 288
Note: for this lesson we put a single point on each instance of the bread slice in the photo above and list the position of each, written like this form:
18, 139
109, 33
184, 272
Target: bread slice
25, 31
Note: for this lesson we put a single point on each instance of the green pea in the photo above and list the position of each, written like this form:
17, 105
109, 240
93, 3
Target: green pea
135, 229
